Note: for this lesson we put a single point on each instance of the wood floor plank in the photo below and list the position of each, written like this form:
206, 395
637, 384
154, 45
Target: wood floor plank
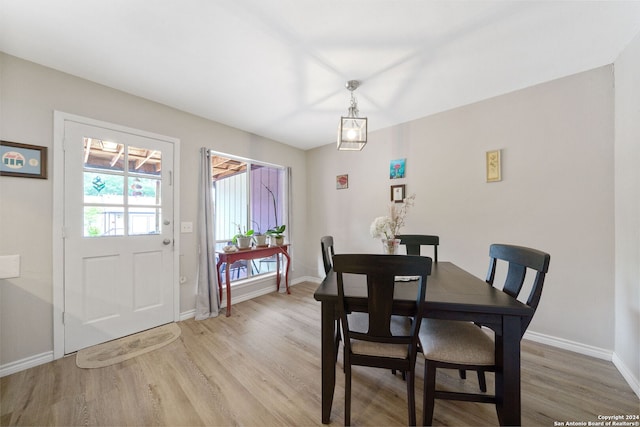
261, 366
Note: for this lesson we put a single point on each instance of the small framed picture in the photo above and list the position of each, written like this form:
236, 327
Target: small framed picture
342, 182
23, 160
398, 193
397, 168
494, 172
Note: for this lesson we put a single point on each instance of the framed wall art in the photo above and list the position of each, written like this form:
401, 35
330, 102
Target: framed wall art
398, 193
397, 168
23, 160
494, 168
342, 182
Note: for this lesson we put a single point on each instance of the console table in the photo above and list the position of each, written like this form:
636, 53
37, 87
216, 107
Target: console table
229, 258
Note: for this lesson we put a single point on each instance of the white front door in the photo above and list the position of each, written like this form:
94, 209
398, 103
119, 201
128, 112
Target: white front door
118, 234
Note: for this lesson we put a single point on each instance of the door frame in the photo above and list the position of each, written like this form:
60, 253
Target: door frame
59, 119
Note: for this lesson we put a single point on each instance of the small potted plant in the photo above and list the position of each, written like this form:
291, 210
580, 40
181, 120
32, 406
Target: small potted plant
276, 238
275, 235
259, 238
242, 240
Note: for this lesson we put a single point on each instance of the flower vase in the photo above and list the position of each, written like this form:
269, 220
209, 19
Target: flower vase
390, 246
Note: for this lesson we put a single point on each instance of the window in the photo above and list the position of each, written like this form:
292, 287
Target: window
249, 195
121, 189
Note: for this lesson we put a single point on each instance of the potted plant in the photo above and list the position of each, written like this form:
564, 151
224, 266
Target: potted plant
275, 235
276, 238
259, 238
242, 240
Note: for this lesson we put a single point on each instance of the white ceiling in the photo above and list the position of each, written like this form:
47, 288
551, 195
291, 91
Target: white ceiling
277, 68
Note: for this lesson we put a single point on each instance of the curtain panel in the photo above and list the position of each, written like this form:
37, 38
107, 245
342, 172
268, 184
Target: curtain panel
207, 297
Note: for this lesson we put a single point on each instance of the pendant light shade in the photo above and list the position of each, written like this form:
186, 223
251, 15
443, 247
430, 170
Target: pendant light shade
352, 131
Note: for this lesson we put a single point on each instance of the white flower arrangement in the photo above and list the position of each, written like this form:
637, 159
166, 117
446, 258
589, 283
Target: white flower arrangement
388, 227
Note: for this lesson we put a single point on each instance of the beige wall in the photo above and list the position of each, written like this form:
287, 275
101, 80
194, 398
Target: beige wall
556, 193
29, 95
627, 206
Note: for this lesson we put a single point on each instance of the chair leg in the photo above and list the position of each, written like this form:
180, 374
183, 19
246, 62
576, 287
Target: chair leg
347, 394
482, 381
411, 397
404, 374
428, 401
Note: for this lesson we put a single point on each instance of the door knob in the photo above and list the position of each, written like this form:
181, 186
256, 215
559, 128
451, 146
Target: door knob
166, 241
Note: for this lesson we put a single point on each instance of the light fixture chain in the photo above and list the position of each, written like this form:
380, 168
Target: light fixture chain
353, 110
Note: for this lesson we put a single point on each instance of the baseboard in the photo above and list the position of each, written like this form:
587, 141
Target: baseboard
633, 382
187, 314
255, 290
576, 347
311, 279
26, 363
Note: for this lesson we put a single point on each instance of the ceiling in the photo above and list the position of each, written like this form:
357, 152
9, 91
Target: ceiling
278, 68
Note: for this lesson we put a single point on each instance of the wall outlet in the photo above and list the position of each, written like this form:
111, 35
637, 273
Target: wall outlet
186, 227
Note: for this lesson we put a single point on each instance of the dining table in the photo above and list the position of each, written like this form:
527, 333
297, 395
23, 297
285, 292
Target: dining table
452, 293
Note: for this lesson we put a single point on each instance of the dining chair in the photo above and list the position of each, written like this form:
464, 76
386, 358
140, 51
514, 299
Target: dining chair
414, 241
463, 345
378, 338
326, 247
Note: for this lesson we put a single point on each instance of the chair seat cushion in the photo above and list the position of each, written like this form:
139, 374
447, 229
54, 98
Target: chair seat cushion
456, 342
399, 326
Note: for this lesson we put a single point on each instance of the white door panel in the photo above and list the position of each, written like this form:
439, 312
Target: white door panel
118, 245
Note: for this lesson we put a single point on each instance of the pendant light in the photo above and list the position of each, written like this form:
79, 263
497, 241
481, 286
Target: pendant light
352, 132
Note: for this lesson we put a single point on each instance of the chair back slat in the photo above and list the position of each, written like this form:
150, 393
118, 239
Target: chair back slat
380, 303
326, 245
515, 279
414, 241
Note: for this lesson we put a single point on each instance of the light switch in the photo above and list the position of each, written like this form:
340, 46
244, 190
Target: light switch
9, 266
186, 227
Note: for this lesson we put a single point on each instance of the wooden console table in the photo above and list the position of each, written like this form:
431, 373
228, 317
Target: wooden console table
229, 258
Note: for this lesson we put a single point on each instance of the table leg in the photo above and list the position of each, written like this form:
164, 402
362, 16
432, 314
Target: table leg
286, 272
228, 290
507, 375
277, 272
218, 265
329, 354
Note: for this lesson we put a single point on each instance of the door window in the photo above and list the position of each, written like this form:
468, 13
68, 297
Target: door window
121, 189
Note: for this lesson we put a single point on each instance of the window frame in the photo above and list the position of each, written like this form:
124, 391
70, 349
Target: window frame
282, 210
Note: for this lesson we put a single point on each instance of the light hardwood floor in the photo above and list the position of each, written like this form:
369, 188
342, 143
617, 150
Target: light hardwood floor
261, 367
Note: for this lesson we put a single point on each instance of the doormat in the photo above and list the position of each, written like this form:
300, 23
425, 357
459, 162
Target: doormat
126, 348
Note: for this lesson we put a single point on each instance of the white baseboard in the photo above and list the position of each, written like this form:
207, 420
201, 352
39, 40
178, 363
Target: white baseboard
576, 347
311, 279
187, 314
26, 363
633, 382
249, 291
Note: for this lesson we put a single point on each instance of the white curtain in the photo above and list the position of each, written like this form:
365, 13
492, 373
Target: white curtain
207, 298
288, 208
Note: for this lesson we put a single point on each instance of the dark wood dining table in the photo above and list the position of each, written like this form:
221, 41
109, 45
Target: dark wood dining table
452, 293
